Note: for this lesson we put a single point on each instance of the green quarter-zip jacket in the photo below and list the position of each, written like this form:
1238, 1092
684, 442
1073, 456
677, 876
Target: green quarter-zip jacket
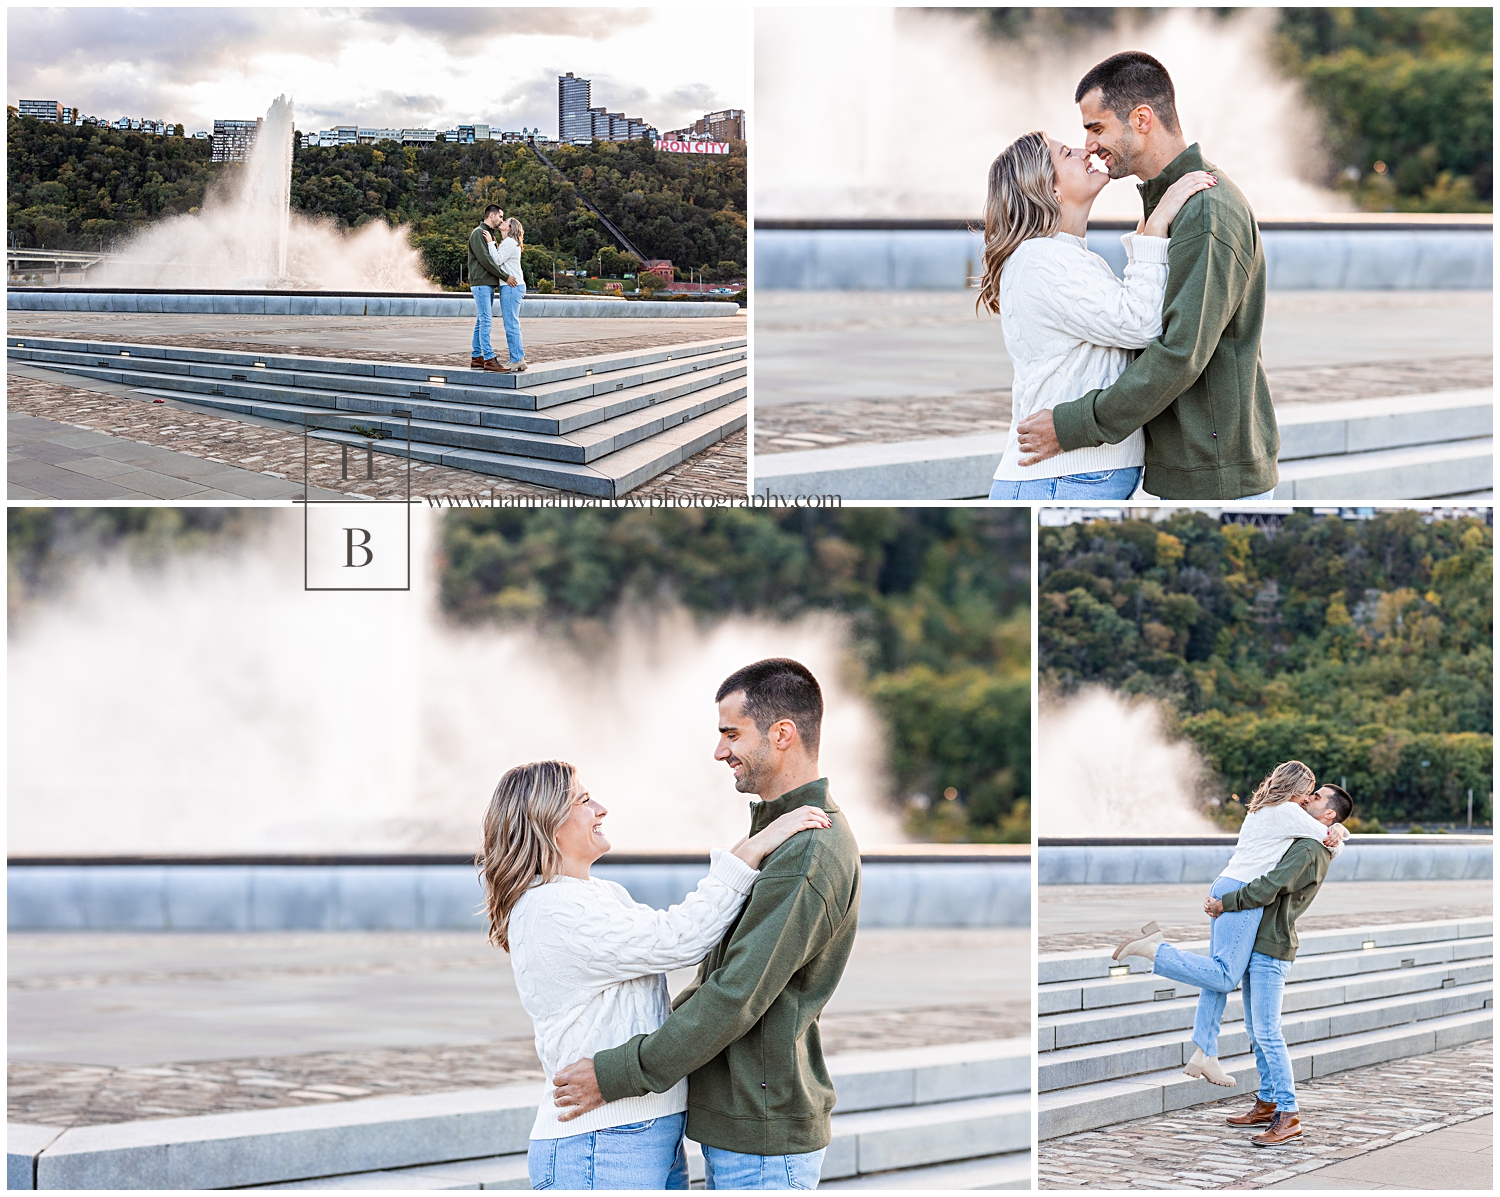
482, 272
745, 1032
1199, 390
1284, 893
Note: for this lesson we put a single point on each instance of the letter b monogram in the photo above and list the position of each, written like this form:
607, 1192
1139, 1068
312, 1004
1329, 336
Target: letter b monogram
351, 547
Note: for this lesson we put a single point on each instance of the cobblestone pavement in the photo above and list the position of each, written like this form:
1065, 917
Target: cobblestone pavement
814, 424
1344, 1115
88, 1095
277, 449
1198, 933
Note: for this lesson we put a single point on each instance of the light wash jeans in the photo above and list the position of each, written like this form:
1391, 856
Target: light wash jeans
732, 1170
1107, 484
642, 1155
1231, 939
1264, 981
510, 313
484, 320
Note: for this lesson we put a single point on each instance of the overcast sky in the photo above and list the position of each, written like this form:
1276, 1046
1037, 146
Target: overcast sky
388, 67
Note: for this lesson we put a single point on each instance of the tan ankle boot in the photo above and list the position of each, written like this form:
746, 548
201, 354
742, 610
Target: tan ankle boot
1207, 1068
1283, 1128
1144, 946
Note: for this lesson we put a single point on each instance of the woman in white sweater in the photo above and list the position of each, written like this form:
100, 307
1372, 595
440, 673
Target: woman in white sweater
1275, 817
590, 961
1070, 325
507, 259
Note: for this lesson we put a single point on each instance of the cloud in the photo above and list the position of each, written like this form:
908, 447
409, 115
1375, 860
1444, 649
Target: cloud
465, 31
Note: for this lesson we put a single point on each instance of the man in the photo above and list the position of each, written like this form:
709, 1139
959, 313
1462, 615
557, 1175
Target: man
1281, 895
745, 1032
483, 280
1199, 390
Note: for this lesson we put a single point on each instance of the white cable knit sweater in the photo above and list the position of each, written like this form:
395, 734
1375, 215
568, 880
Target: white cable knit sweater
589, 964
1068, 323
1267, 833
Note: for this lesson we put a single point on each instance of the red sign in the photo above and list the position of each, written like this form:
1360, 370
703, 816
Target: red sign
693, 147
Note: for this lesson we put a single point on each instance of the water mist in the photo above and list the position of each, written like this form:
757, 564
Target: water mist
212, 705
247, 237
1106, 766
925, 100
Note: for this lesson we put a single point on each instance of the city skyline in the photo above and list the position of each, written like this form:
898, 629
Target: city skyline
377, 69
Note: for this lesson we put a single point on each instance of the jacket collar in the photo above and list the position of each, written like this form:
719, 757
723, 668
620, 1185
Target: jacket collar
1153, 189
814, 793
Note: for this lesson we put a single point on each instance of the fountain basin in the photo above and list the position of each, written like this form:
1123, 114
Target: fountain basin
343, 303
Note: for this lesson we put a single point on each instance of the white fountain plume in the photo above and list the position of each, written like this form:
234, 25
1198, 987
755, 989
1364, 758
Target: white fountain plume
248, 238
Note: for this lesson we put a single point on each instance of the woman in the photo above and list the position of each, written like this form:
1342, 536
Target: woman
1274, 818
589, 961
1069, 323
507, 258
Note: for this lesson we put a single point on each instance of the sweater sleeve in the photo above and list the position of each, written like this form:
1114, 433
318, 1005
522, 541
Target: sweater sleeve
1298, 868
786, 924
595, 944
1304, 826
1204, 288
1098, 308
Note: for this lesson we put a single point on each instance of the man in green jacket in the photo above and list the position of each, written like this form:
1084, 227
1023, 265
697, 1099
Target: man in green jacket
1199, 390
484, 280
745, 1032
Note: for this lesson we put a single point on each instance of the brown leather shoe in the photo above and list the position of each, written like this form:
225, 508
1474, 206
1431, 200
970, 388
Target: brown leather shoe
476, 363
1264, 1111
1283, 1128
495, 366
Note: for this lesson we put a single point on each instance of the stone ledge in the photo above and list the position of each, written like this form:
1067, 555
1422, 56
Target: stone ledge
1150, 864
312, 304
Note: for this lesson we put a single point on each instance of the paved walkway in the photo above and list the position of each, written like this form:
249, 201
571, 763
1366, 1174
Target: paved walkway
1350, 1119
105, 1028
1463, 1156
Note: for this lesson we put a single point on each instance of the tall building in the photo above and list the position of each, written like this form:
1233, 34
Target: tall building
728, 125
44, 110
233, 140
574, 120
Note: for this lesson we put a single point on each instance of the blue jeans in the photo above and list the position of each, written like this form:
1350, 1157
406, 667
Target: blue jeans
732, 1170
1109, 484
642, 1155
1264, 981
484, 303
1230, 942
1270, 494
510, 313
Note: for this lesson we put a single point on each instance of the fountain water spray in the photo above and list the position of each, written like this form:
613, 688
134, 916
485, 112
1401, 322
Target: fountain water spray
247, 237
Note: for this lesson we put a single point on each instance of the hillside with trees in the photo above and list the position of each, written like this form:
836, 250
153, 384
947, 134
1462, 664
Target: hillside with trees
936, 601
80, 187
1362, 647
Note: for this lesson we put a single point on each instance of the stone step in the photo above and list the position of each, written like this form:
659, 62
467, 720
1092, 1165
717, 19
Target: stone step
1096, 963
899, 1109
580, 446
1145, 986
1010, 1171
534, 378
1104, 1103
573, 402
1437, 996
610, 477
1421, 472
1363, 425
1096, 1027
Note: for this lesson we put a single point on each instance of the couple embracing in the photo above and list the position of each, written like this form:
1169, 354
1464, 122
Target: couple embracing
495, 268
1193, 410
735, 1062
1292, 831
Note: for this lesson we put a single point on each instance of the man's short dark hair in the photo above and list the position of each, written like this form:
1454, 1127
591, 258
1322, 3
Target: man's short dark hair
1338, 798
776, 689
490, 210
1128, 80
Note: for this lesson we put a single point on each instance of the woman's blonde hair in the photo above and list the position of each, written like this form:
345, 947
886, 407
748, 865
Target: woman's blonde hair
1021, 204
1288, 780
513, 227
529, 805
